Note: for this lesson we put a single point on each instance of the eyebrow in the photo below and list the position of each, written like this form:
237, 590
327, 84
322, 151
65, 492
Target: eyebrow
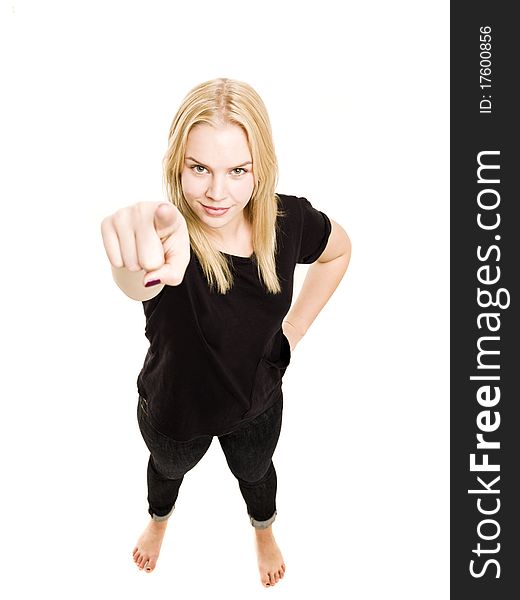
203, 165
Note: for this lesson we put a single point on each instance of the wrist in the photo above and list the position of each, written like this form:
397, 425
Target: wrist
293, 328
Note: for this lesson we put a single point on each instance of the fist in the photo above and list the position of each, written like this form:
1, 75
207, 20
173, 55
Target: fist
149, 236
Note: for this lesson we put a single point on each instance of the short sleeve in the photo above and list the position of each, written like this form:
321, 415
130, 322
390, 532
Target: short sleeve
316, 228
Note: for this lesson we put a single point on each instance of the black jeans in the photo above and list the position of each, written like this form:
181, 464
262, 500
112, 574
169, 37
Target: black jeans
248, 451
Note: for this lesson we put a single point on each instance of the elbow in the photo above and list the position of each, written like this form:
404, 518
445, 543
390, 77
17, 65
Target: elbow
348, 248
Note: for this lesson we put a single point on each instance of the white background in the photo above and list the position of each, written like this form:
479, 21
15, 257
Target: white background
357, 93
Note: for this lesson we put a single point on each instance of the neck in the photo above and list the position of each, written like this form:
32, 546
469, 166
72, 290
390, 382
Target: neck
235, 237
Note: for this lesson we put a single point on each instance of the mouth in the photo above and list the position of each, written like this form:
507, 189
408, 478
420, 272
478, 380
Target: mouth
215, 211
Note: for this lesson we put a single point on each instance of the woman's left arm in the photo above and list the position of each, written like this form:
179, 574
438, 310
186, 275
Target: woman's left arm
323, 277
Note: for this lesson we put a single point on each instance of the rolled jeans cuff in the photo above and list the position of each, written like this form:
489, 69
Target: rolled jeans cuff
160, 518
262, 524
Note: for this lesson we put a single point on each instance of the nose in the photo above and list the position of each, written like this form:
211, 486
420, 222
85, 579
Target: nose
217, 188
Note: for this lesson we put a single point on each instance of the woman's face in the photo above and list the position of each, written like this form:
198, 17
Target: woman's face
217, 175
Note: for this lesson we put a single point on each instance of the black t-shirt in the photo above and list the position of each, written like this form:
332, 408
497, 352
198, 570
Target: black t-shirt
215, 360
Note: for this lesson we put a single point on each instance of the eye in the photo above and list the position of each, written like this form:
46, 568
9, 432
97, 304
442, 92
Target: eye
239, 169
195, 167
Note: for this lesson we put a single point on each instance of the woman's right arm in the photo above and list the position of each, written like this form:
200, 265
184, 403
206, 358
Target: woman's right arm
144, 242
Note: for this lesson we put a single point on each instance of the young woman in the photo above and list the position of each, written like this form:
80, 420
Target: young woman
214, 270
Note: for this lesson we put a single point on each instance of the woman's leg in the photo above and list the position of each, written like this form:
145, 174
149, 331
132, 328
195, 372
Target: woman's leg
249, 451
168, 463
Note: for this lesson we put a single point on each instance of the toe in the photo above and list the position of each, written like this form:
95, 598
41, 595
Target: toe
276, 576
151, 565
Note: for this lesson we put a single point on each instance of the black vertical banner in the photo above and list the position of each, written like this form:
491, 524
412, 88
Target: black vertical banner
485, 331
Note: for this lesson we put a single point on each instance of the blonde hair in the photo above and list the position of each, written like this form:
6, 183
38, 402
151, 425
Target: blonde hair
216, 102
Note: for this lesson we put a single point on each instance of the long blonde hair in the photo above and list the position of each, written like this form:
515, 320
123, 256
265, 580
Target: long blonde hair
216, 102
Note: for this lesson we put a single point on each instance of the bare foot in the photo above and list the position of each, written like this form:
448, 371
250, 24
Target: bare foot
148, 546
270, 560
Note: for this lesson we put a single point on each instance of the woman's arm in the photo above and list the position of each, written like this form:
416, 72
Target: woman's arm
322, 279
